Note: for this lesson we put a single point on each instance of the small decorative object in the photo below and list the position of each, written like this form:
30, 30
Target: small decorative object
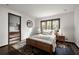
29, 23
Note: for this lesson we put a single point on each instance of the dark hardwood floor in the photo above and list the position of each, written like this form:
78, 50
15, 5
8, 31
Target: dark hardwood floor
4, 50
74, 48
8, 51
70, 49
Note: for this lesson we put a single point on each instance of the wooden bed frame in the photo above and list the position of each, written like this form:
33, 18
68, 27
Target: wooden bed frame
41, 45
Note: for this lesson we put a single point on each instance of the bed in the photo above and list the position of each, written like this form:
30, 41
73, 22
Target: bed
43, 42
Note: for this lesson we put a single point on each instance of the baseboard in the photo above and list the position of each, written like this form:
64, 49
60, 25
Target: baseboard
3, 46
77, 44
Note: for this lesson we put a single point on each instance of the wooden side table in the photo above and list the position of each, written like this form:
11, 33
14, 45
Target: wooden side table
61, 39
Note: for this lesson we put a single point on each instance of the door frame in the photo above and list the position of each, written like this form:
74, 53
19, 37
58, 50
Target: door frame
9, 24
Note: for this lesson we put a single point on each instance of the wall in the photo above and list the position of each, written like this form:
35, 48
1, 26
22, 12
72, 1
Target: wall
25, 32
66, 24
76, 21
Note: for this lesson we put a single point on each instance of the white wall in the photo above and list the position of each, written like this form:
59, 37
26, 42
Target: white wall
4, 25
76, 20
25, 31
66, 24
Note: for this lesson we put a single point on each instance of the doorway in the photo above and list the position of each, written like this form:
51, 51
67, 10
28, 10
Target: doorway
14, 29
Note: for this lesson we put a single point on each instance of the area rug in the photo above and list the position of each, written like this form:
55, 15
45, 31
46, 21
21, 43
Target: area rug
64, 50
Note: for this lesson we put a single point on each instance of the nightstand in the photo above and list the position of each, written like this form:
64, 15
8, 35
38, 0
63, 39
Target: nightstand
61, 39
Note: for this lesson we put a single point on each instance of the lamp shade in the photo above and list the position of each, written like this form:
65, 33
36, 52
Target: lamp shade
60, 32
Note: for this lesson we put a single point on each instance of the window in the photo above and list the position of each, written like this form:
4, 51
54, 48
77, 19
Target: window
43, 25
53, 24
48, 25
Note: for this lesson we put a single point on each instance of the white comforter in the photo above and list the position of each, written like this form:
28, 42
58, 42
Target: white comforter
50, 39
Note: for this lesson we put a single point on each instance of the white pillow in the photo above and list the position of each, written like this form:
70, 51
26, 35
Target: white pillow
47, 32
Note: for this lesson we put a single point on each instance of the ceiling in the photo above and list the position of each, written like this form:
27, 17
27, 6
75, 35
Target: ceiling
42, 10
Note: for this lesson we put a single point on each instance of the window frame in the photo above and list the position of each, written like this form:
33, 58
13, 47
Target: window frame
51, 23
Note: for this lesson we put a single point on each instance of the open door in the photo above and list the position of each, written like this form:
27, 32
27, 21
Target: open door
14, 29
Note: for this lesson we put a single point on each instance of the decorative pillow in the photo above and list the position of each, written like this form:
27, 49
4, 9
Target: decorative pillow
54, 33
47, 32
